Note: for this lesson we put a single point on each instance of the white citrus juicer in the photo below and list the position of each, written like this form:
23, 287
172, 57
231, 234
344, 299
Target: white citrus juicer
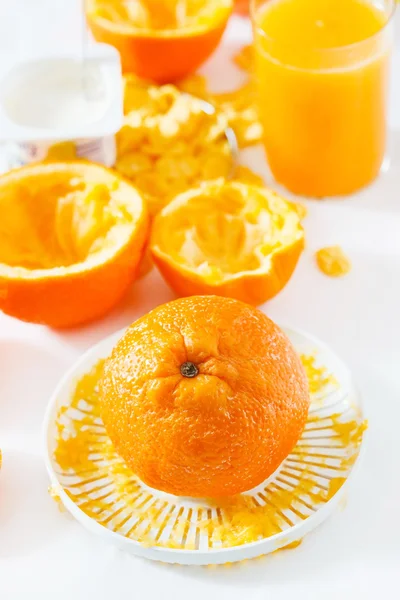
99, 490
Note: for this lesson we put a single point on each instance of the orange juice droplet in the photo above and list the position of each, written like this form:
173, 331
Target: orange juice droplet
322, 69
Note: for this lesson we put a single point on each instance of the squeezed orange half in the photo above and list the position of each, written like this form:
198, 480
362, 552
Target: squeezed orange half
159, 40
322, 73
72, 235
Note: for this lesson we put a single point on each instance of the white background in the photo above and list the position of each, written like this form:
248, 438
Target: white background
46, 555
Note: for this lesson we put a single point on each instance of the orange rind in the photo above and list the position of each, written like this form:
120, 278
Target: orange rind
160, 41
71, 238
229, 239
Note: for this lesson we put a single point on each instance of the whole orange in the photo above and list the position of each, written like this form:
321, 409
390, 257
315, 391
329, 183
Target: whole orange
204, 396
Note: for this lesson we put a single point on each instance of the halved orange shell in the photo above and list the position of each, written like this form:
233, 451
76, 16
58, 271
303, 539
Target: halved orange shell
229, 239
150, 51
71, 238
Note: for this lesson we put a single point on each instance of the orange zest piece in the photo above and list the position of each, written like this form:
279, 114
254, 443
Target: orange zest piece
71, 238
332, 261
229, 239
160, 41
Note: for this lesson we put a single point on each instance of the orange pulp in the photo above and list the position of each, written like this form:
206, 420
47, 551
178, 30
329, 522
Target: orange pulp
322, 69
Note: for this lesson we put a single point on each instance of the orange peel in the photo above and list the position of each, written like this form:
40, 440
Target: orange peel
229, 239
161, 41
332, 261
71, 238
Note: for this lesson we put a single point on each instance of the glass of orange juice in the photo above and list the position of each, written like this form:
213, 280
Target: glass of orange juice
322, 70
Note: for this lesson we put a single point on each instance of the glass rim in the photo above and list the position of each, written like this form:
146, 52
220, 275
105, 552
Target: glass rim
318, 49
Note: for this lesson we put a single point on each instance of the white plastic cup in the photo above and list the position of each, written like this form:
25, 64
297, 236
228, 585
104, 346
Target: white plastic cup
99, 150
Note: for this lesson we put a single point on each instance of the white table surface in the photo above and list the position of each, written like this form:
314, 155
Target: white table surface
46, 555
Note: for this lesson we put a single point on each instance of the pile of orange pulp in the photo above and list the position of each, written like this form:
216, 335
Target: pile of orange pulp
71, 239
161, 41
322, 70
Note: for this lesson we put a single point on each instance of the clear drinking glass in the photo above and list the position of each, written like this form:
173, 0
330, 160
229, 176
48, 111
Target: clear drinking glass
323, 109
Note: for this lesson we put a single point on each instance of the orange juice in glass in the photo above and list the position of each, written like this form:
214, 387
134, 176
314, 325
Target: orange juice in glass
322, 69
